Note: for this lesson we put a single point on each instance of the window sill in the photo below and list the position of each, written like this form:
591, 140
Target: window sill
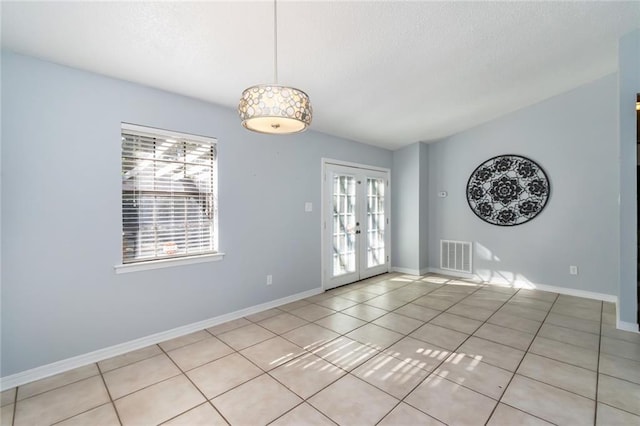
166, 263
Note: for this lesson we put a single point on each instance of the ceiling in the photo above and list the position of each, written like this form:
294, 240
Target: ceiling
386, 73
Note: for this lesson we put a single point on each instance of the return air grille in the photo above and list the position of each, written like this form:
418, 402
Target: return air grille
455, 255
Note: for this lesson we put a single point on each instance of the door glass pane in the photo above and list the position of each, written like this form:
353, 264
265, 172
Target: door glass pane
375, 222
344, 221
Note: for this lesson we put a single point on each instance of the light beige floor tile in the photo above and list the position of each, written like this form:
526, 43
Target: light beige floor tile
451, 403
577, 312
483, 378
8, 397
408, 294
377, 289
515, 322
482, 302
310, 336
612, 332
104, 415
443, 337
473, 312
436, 303
307, 374
337, 303
505, 415
61, 403
567, 335
364, 312
358, 295
386, 302
263, 315
194, 355
282, 323
267, 398
398, 323
609, 416
187, 339
419, 353
620, 348
303, 415
567, 300
340, 323
350, 401
53, 382
246, 336
133, 377
6, 414
202, 415
456, 322
271, 353
547, 296
566, 353
525, 302
498, 288
619, 393
406, 415
159, 402
488, 294
312, 312
128, 358
622, 368
228, 326
491, 353
345, 353
609, 319
375, 336
506, 336
418, 312
223, 374
548, 402
392, 375
564, 376
293, 305
523, 312
573, 323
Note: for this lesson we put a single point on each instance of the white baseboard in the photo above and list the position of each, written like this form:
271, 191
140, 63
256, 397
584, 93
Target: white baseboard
454, 274
58, 367
410, 271
627, 326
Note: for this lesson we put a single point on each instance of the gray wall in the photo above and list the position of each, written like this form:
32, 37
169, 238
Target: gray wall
424, 207
405, 206
573, 137
629, 87
61, 219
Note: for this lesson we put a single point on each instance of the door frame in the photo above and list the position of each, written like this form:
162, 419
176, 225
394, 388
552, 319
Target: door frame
329, 161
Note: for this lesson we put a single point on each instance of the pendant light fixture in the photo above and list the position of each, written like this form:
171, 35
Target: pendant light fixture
272, 108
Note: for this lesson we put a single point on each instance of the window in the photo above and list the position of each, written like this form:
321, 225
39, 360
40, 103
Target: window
169, 195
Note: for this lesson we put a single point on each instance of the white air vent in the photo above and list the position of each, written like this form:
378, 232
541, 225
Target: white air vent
455, 255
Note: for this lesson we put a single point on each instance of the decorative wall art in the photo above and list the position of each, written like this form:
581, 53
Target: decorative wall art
508, 190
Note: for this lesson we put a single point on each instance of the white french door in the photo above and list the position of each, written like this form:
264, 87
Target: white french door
355, 223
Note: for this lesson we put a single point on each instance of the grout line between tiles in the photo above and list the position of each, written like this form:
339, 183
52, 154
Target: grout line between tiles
194, 385
595, 415
113, 404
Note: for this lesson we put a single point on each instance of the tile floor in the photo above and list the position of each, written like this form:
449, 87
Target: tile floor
391, 350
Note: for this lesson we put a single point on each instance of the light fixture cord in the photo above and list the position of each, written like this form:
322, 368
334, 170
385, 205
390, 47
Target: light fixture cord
275, 41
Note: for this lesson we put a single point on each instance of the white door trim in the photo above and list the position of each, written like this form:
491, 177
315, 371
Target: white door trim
329, 161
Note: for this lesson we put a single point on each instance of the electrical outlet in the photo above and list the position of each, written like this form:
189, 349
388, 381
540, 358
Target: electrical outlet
269, 279
573, 270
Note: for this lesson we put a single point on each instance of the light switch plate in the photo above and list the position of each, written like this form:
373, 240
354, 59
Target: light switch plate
308, 207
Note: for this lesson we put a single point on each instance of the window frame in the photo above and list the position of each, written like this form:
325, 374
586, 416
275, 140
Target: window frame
169, 261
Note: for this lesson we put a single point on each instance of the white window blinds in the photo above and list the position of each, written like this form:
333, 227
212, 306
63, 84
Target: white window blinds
169, 194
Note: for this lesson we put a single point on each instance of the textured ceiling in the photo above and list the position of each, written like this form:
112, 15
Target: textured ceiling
386, 73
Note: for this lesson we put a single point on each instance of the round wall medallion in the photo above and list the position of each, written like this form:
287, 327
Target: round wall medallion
508, 190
